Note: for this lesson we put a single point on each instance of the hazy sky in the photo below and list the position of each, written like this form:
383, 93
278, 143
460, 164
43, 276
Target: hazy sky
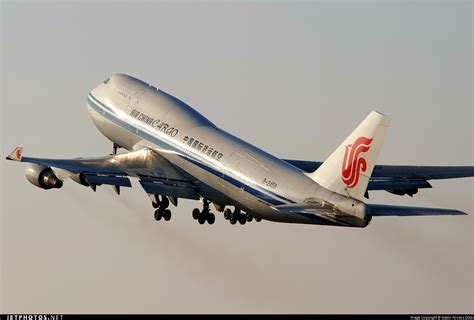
292, 78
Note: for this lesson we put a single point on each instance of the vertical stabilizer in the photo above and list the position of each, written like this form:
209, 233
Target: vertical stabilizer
348, 169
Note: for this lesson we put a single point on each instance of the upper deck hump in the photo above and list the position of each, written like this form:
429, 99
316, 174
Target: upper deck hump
168, 106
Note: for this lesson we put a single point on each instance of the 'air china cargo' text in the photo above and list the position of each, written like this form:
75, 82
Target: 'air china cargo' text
154, 123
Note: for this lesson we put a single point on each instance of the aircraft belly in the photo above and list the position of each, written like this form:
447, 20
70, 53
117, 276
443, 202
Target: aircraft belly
210, 185
229, 194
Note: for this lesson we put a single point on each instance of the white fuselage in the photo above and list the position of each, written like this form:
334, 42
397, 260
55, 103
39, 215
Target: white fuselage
226, 169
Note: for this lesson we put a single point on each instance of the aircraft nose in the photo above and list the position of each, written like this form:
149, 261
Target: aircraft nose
95, 90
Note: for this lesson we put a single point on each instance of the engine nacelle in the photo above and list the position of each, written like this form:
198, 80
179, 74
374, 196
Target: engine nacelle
80, 178
42, 177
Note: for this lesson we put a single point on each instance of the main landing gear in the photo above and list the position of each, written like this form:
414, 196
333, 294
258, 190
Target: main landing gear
236, 215
162, 210
204, 215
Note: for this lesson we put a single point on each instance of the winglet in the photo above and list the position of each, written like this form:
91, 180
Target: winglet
16, 154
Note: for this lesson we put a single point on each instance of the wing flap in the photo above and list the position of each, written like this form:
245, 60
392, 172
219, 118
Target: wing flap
106, 179
173, 190
398, 184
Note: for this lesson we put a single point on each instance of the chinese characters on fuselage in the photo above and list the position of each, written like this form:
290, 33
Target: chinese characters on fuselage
203, 148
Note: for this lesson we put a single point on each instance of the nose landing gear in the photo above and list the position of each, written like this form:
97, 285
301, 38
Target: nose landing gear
115, 147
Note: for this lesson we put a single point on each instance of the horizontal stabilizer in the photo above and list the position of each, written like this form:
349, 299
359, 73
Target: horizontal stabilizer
388, 210
323, 213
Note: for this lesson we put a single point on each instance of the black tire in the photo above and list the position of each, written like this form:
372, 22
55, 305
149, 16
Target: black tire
155, 204
164, 202
249, 218
258, 219
242, 219
211, 218
201, 219
167, 215
227, 213
158, 215
196, 213
233, 218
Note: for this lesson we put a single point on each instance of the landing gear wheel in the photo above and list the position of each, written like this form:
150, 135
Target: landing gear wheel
155, 204
201, 219
258, 219
196, 213
242, 219
158, 215
211, 218
166, 215
227, 214
164, 202
233, 218
249, 218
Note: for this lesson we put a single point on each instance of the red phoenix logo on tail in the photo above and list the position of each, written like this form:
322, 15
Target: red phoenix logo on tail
353, 163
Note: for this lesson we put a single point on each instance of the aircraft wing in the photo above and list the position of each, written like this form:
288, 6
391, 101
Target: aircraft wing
156, 174
400, 179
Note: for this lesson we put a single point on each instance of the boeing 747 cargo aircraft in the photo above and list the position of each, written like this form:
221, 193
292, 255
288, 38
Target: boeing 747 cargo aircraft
175, 152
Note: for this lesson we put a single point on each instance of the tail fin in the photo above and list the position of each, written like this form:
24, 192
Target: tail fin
348, 169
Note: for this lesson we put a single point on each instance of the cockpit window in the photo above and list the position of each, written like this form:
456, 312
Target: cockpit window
105, 82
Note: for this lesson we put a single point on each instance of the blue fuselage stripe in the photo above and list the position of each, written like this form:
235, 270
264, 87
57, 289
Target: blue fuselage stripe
110, 115
236, 183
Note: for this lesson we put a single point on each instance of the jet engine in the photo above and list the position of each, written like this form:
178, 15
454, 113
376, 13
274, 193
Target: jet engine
42, 177
81, 179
